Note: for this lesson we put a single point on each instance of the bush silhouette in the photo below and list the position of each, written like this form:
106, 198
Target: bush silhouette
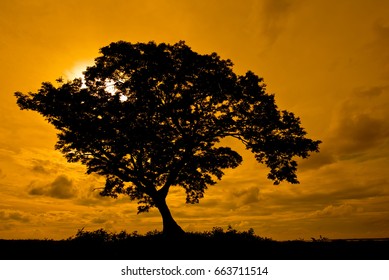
216, 234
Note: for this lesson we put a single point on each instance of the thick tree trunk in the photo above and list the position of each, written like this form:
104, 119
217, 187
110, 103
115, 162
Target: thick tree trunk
170, 228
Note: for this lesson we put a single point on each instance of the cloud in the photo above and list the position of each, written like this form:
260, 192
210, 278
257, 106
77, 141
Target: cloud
264, 21
61, 188
332, 211
362, 122
373, 91
275, 14
2, 175
90, 196
361, 132
381, 45
41, 165
7, 215
344, 182
39, 169
99, 220
317, 160
245, 196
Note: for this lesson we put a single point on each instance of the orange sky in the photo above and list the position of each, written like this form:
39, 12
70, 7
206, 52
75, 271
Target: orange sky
326, 61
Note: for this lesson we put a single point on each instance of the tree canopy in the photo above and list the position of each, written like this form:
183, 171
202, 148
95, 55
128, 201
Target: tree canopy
150, 116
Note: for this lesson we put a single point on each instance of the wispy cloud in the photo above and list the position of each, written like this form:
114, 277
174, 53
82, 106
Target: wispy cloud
275, 15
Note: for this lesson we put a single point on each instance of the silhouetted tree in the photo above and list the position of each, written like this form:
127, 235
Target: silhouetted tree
149, 117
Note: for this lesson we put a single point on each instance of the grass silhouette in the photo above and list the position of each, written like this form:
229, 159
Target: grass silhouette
229, 244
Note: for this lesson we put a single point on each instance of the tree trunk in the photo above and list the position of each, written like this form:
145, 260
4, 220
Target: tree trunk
170, 228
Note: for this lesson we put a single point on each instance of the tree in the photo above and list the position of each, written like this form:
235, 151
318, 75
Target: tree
149, 117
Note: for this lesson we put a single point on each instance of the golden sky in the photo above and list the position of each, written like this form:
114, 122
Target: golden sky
326, 60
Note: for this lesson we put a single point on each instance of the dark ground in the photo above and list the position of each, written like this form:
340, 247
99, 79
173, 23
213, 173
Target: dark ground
161, 249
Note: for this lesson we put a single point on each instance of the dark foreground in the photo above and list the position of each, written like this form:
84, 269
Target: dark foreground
268, 250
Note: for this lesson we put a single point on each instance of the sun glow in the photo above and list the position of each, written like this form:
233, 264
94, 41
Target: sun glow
77, 71
110, 87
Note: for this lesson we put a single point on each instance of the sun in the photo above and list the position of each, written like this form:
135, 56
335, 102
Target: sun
111, 88
77, 72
